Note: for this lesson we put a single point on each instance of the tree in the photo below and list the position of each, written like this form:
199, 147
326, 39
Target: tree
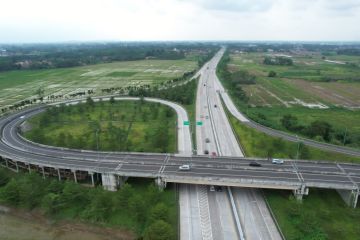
90, 102
112, 100
51, 203
11, 192
159, 230
159, 212
100, 207
289, 122
272, 74
124, 194
40, 92
320, 128
137, 207
4, 177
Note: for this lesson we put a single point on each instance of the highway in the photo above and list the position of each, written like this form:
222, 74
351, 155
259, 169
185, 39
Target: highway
214, 170
204, 214
230, 201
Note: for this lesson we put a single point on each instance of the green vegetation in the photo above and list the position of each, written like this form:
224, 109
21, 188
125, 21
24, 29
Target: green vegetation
137, 126
92, 80
322, 215
334, 125
282, 61
138, 206
232, 81
288, 91
257, 144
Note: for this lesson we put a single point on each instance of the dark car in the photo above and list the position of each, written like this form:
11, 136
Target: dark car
206, 152
254, 164
218, 188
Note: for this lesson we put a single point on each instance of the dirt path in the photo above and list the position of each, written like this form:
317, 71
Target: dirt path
22, 225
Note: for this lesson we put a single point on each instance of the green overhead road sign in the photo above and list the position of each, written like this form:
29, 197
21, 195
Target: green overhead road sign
199, 123
186, 123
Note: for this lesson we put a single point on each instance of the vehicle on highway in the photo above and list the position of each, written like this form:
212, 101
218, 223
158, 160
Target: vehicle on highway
213, 154
22, 117
254, 164
277, 161
185, 167
212, 188
206, 152
215, 106
207, 140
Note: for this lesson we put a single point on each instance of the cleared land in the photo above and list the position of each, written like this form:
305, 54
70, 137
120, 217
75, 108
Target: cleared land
20, 85
136, 126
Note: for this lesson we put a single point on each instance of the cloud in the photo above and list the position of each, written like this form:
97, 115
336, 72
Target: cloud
235, 5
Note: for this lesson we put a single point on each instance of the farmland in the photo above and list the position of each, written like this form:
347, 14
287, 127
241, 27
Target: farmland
311, 80
313, 89
20, 85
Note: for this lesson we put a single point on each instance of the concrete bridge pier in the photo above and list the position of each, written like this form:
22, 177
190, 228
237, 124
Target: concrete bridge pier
109, 181
300, 192
160, 183
121, 180
350, 197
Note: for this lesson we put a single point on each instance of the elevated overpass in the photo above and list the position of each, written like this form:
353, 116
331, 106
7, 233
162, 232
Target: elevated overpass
298, 176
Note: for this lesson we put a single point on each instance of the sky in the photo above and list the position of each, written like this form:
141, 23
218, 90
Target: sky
24, 21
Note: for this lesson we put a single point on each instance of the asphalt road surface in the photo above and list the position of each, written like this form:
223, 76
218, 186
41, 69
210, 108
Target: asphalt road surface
232, 223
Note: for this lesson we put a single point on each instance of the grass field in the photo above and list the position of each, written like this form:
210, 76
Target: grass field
322, 215
136, 126
20, 85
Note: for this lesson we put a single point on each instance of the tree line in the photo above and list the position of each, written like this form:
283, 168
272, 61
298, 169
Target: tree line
320, 130
183, 93
47, 56
233, 80
148, 212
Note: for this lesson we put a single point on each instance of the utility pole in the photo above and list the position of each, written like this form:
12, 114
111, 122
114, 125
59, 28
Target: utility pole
298, 147
97, 143
345, 136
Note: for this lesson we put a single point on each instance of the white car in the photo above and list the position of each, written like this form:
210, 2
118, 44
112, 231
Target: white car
184, 167
212, 188
277, 161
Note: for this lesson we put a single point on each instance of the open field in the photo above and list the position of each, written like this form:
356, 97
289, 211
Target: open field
136, 126
311, 80
322, 215
258, 144
20, 85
